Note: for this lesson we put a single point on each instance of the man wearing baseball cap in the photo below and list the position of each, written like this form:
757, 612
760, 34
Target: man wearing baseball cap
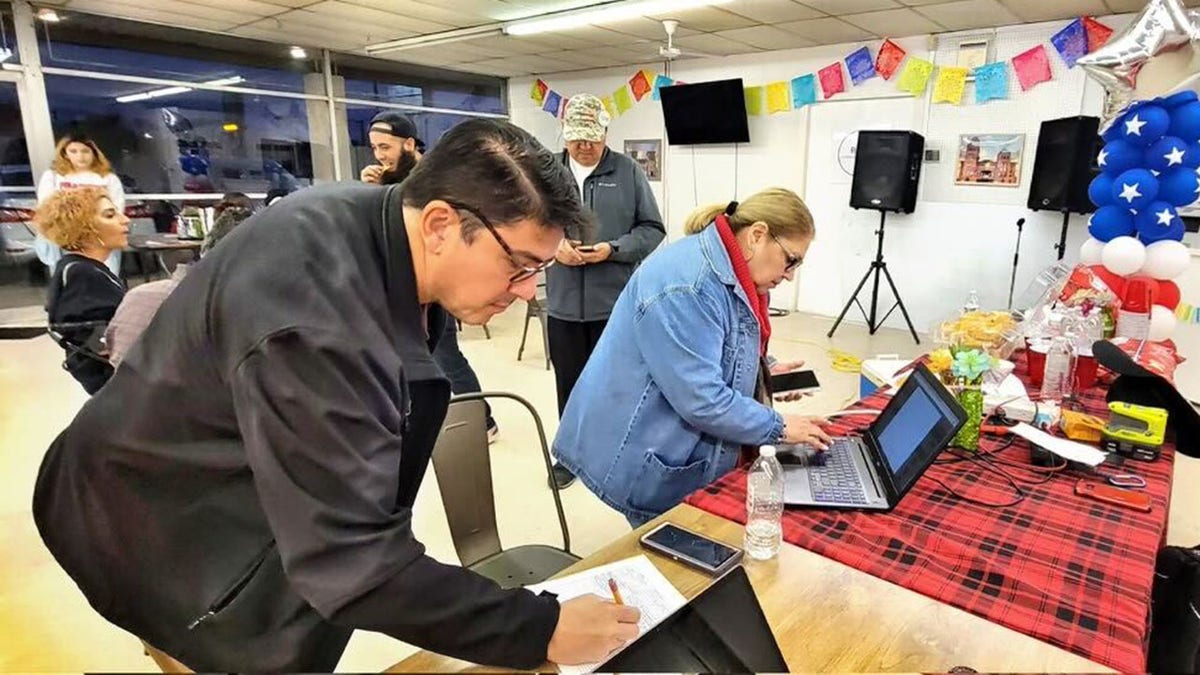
583, 288
394, 142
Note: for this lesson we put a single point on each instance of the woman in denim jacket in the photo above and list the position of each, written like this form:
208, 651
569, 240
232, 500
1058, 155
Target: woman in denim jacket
675, 388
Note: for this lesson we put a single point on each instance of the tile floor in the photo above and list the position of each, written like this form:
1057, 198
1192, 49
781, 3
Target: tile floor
47, 625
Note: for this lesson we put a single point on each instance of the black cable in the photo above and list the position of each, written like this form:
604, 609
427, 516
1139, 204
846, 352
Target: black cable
1020, 494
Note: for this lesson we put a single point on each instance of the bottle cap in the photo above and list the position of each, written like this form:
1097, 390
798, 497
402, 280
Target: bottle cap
766, 451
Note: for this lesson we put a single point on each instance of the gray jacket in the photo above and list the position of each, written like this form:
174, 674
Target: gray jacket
627, 217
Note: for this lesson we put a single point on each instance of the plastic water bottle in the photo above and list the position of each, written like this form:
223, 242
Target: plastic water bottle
1060, 370
972, 303
764, 505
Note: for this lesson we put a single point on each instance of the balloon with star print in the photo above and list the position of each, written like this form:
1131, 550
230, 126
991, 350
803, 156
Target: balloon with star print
1117, 157
1159, 222
1144, 125
1185, 122
1135, 189
1170, 152
1179, 187
1100, 189
1110, 222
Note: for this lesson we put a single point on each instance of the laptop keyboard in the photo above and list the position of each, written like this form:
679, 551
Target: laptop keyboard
837, 481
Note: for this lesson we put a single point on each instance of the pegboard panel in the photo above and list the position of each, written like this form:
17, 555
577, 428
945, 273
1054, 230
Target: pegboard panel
1068, 93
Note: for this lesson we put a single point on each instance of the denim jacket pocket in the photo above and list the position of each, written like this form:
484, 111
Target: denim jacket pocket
659, 487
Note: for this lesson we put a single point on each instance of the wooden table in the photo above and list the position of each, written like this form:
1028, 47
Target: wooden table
156, 245
830, 617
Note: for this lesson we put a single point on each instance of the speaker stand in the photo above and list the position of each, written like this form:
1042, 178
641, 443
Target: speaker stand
1061, 246
878, 266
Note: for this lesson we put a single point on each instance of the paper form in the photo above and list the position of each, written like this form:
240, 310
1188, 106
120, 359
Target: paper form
641, 584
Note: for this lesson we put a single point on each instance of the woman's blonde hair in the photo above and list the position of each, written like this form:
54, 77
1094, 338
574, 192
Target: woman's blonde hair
68, 217
781, 209
62, 165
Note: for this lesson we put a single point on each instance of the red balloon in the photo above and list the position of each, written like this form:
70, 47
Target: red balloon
1115, 282
1168, 295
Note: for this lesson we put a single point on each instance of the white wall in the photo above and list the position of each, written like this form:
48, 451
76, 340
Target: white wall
959, 238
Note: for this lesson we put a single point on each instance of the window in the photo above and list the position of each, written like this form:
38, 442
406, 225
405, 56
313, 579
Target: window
101, 44
8, 38
193, 140
391, 82
14, 155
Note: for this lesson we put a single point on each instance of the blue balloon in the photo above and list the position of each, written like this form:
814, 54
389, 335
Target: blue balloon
1179, 187
1170, 152
1159, 222
1135, 189
1145, 125
1117, 157
1182, 98
1185, 122
1110, 222
1100, 191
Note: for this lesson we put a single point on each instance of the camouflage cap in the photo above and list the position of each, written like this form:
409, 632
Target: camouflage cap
585, 119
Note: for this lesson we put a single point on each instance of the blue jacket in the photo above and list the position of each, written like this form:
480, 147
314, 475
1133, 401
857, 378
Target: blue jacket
667, 398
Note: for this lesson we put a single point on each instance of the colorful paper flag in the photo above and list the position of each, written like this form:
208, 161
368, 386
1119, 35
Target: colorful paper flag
552, 103
639, 85
1032, 66
1097, 33
951, 82
660, 81
623, 98
860, 65
1071, 42
804, 91
562, 108
609, 107
915, 76
831, 78
888, 59
538, 91
754, 100
991, 81
778, 97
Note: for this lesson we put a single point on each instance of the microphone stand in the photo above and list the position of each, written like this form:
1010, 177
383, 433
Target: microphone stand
1012, 284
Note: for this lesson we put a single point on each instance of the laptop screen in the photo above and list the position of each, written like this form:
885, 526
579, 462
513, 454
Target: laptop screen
915, 427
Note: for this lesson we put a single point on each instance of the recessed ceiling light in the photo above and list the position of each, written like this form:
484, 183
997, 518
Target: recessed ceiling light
48, 15
298, 53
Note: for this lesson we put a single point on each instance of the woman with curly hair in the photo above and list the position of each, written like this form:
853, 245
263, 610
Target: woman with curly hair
78, 162
83, 293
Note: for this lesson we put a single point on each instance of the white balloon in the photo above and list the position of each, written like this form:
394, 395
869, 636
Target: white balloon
1166, 260
1162, 323
1123, 256
1089, 253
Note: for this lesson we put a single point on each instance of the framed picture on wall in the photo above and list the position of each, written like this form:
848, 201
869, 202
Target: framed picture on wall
648, 154
989, 159
972, 54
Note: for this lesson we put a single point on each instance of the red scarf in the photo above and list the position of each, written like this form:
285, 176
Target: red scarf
758, 302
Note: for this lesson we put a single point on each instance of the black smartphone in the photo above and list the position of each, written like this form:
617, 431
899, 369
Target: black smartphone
586, 248
800, 380
692, 549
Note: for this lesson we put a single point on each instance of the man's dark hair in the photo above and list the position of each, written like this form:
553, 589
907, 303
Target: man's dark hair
501, 172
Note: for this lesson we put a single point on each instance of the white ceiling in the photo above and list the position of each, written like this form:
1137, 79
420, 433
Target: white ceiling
738, 27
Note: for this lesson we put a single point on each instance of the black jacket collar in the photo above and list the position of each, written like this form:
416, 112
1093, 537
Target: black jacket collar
417, 328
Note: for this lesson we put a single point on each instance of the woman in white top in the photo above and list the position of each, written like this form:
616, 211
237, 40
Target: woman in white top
78, 162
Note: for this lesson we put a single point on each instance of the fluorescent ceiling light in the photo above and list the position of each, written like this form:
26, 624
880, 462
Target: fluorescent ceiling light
298, 53
434, 39
48, 15
608, 13
171, 91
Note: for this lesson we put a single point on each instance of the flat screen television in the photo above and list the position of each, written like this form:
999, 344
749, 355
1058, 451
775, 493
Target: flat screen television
705, 112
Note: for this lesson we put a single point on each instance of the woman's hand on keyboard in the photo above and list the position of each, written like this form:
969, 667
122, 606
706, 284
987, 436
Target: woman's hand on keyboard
805, 429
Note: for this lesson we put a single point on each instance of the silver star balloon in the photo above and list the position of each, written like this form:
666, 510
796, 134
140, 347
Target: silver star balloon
1163, 26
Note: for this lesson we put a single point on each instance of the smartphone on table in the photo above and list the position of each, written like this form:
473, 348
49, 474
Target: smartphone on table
692, 549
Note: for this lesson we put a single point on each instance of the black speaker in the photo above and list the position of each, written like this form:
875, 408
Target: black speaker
1065, 164
887, 167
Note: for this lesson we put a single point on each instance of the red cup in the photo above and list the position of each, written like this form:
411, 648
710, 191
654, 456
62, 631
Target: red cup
1036, 352
1086, 371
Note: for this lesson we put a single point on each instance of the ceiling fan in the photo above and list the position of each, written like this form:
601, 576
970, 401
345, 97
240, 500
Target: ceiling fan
669, 52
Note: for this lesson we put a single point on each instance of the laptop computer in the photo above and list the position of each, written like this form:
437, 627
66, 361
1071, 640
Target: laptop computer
876, 470
722, 630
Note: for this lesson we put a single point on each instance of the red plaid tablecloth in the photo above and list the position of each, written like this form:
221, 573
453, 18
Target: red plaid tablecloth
1062, 568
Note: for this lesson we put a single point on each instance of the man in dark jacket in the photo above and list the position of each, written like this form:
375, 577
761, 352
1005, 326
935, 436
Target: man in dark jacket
240, 494
583, 288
